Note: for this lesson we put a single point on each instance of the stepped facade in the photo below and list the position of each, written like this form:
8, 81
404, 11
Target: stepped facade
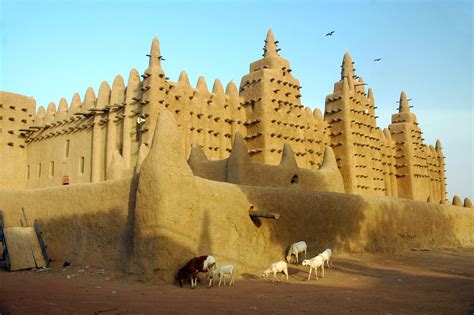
108, 135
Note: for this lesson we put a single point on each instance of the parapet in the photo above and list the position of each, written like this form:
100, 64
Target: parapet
457, 201
239, 169
467, 203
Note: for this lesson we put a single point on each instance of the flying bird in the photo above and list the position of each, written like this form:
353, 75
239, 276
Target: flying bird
378, 59
330, 33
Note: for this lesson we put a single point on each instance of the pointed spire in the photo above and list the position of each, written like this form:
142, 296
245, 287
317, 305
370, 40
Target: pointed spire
231, 90
457, 201
345, 86
61, 114
318, 115
288, 158
104, 94
309, 114
89, 99
238, 163
438, 145
75, 105
467, 203
239, 151
270, 49
39, 119
217, 87
347, 66
201, 85
166, 152
370, 94
197, 155
142, 154
183, 81
118, 91
117, 166
49, 119
360, 81
133, 86
387, 134
329, 159
381, 135
155, 54
404, 106
350, 81
133, 77
76, 100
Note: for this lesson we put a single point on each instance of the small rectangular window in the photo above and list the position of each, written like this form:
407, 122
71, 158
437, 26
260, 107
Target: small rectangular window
39, 170
52, 169
27, 172
67, 148
81, 166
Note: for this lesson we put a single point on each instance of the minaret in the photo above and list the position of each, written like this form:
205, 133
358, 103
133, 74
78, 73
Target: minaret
270, 98
413, 180
354, 136
154, 87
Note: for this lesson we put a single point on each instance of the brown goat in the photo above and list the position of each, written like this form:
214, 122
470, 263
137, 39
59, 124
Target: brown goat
193, 267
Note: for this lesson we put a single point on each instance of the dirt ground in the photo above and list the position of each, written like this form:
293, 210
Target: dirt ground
439, 281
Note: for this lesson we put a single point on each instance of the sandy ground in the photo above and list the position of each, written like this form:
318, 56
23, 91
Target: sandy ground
438, 281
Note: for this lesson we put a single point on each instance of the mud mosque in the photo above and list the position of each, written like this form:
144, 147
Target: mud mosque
159, 167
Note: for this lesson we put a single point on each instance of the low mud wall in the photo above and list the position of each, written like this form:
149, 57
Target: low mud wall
84, 223
214, 219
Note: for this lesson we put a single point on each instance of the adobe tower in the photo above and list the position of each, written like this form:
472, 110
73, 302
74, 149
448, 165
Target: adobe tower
272, 99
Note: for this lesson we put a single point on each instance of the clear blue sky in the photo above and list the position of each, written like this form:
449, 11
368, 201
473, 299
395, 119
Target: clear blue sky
51, 49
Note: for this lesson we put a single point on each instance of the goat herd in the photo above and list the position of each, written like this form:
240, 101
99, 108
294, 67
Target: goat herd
207, 264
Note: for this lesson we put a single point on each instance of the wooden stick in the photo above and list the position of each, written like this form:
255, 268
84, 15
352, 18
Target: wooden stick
264, 214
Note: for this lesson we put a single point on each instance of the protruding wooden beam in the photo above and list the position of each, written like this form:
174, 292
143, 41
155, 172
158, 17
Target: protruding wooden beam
264, 214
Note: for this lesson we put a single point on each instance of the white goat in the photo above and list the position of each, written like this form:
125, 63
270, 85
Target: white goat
327, 255
209, 266
275, 268
295, 249
315, 263
222, 271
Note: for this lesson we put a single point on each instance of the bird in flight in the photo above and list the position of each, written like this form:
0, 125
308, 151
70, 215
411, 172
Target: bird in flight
330, 33
378, 59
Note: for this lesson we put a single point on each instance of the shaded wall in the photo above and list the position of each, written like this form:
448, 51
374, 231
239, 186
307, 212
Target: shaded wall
84, 223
